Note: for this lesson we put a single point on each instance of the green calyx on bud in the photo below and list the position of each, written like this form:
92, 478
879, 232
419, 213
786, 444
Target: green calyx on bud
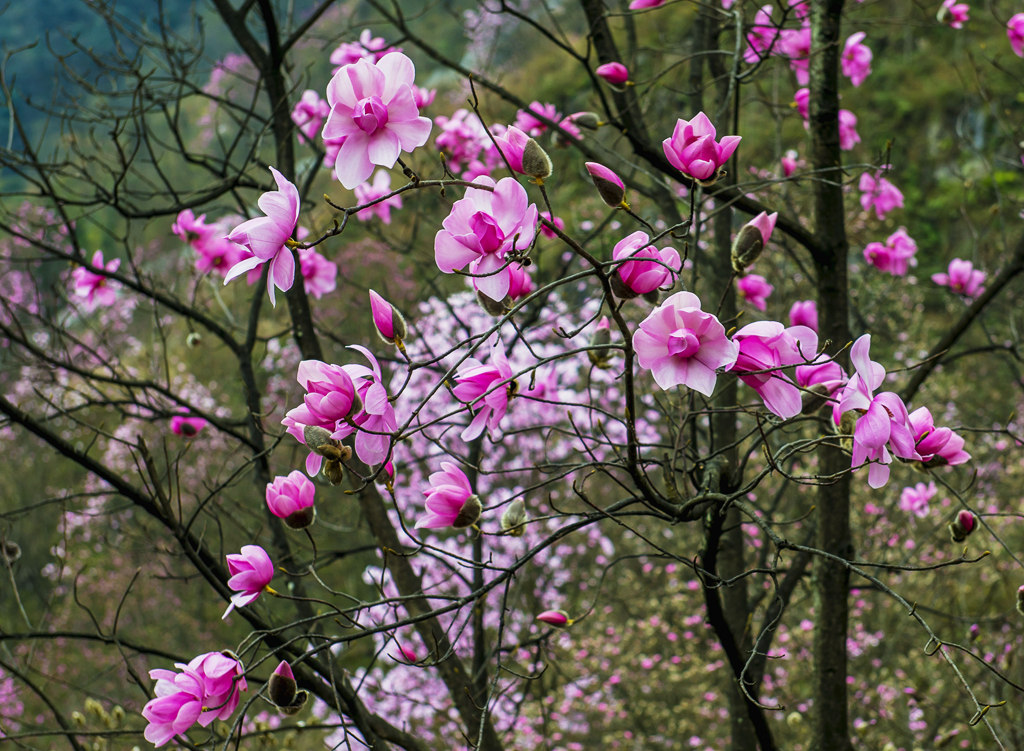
536, 162
746, 248
588, 120
513, 519
469, 514
492, 306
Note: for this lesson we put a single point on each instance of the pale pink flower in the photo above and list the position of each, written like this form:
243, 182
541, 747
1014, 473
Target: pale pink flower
895, 256
481, 228
962, 278
693, 150
291, 498
914, 499
755, 289
319, 275
856, 59
1015, 32
646, 270
251, 572
375, 191
266, 237
92, 287
186, 426
423, 97
953, 13
609, 185
848, 136
762, 38
374, 109
309, 113
215, 251
682, 345
486, 389
614, 73
804, 313
450, 500
880, 194
368, 47
765, 347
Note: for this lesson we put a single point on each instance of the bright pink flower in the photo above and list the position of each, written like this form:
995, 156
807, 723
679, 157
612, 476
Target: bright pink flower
189, 228
266, 237
467, 144
291, 498
755, 289
895, 256
802, 101
856, 59
319, 276
804, 313
512, 143
486, 389
848, 136
549, 233
868, 376
481, 228
953, 13
765, 347
648, 268
423, 97
520, 282
966, 520
556, 618
251, 572
187, 426
330, 399
936, 446
368, 47
614, 73
681, 344
609, 185
450, 500
693, 150
309, 113
914, 499
368, 192
643, 4
376, 422
962, 278
880, 194
527, 122
388, 321
790, 163
216, 252
373, 108
762, 38
92, 286
405, 654
207, 689
1015, 32
795, 44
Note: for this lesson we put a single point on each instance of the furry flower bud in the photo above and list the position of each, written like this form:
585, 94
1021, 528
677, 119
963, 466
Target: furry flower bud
961, 527
513, 519
751, 239
281, 688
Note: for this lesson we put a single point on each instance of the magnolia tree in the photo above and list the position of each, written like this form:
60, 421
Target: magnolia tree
357, 394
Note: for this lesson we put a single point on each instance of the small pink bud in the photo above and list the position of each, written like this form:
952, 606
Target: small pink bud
282, 686
614, 73
962, 526
186, 426
388, 321
751, 239
609, 185
556, 618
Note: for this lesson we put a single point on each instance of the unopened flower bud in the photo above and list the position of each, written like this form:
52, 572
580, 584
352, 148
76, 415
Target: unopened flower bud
536, 162
469, 514
609, 185
750, 241
319, 441
11, 551
334, 472
405, 655
389, 323
493, 307
962, 526
614, 73
298, 703
193, 340
281, 688
601, 358
513, 519
556, 618
588, 120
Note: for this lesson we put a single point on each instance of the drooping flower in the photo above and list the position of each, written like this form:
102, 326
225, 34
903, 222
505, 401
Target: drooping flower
319, 275
450, 500
804, 313
1015, 32
914, 499
251, 572
953, 13
896, 256
848, 136
291, 498
609, 185
266, 237
614, 73
962, 278
374, 191
486, 389
755, 289
186, 426
856, 59
373, 108
880, 194
95, 288
389, 322
802, 102
693, 150
648, 268
481, 228
309, 113
765, 347
682, 345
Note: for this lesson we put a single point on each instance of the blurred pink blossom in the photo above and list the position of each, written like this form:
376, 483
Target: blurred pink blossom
914, 499
186, 426
527, 122
795, 44
804, 313
755, 289
319, 275
953, 13
962, 278
368, 47
486, 388
856, 60
767, 347
848, 136
309, 113
1015, 32
380, 187
880, 194
92, 287
761, 40
895, 256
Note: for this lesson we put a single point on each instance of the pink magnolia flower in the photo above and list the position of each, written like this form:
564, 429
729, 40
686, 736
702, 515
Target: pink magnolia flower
681, 344
953, 13
962, 278
450, 500
802, 100
1015, 32
513, 144
848, 136
251, 572
880, 194
266, 237
423, 97
895, 256
693, 150
389, 322
762, 38
93, 287
643, 4
375, 423
330, 399
369, 192
609, 185
751, 240
765, 347
291, 498
648, 268
547, 231
556, 618
527, 122
373, 108
914, 499
368, 47
184, 425
190, 228
207, 689
755, 289
804, 313
309, 113
795, 44
856, 59
481, 228
936, 446
614, 73
486, 389
791, 163
319, 276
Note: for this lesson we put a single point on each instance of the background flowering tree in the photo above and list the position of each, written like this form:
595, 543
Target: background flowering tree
600, 491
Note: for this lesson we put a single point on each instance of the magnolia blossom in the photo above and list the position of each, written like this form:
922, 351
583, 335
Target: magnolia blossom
614, 73
184, 425
93, 287
389, 322
375, 191
755, 289
376, 422
804, 313
208, 688
251, 572
527, 122
373, 108
291, 498
856, 59
682, 345
1015, 32
520, 281
215, 252
880, 194
953, 13
895, 256
481, 228
266, 237
643, 4
936, 446
319, 276
914, 499
450, 500
761, 39
309, 113
848, 136
556, 618
962, 278
796, 45
368, 47
330, 399
765, 347
802, 101
791, 162
638, 277
486, 388
693, 150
